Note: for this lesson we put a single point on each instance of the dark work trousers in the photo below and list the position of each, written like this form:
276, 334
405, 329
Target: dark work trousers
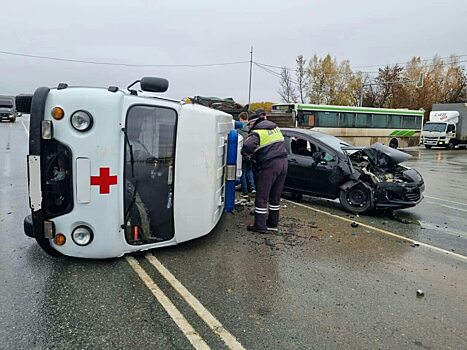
271, 179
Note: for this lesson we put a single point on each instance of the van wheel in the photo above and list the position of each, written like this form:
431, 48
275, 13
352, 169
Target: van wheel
450, 145
428, 146
356, 199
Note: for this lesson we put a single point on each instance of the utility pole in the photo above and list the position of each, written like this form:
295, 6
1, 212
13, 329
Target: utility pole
251, 67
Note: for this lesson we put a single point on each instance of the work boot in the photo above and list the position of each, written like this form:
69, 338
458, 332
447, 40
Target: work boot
253, 228
271, 227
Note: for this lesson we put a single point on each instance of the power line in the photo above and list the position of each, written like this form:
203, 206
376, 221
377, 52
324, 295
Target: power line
277, 75
403, 63
120, 64
373, 72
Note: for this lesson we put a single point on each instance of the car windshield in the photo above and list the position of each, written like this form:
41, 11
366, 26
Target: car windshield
438, 127
332, 141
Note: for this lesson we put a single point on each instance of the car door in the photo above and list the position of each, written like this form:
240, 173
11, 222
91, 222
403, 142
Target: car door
307, 172
298, 166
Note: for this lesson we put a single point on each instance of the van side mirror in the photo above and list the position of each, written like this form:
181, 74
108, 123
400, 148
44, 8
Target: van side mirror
153, 84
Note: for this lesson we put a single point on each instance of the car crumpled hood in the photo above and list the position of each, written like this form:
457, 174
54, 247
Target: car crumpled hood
381, 155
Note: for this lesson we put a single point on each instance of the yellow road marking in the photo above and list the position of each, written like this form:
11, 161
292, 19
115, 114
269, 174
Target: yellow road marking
203, 313
193, 337
421, 244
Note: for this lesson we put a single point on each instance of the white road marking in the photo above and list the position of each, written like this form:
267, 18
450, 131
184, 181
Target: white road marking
25, 129
193, 337
450, 207
203, 313
445, 200
421, 244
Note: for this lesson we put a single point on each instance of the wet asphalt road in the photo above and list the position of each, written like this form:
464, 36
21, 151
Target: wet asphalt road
318, 284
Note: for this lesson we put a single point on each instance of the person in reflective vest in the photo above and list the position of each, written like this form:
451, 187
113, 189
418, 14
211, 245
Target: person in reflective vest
265, 145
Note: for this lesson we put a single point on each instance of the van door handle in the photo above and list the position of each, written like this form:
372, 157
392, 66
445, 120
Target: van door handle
293, 160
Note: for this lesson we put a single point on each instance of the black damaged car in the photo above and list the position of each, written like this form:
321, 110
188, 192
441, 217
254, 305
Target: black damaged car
362, 178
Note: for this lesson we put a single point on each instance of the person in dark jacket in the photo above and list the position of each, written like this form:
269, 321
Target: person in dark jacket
265, 145
247, 179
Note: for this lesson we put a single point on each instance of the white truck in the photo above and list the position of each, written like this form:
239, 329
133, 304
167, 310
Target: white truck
447, 126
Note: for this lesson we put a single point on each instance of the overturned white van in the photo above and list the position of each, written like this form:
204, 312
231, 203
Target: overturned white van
112, 172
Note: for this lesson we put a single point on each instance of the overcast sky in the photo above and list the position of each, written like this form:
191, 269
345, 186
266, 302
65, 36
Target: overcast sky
366, 32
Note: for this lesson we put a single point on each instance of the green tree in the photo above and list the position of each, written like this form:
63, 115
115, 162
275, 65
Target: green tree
333, 83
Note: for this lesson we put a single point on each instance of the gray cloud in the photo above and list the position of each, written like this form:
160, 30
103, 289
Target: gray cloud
175, 32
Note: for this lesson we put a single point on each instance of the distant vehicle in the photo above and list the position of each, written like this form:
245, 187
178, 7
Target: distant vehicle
112, 172
360, 126
362, 178
8, 110
227, 105
447, 126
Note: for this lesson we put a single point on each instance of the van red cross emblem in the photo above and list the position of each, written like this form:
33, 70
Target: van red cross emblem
104, 180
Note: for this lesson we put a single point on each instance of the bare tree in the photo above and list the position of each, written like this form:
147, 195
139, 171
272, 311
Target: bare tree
302, 78
287, 90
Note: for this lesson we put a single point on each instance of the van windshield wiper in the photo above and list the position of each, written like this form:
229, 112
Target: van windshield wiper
130, 147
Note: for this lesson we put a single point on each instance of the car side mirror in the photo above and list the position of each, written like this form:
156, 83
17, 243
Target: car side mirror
19, 114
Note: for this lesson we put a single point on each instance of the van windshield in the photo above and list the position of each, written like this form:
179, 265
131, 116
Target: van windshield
438, 127
149, 177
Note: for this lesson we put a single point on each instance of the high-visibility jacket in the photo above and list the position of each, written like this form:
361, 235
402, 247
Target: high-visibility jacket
267, 137
265, 142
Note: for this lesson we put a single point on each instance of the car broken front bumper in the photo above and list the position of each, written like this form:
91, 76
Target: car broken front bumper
395, 195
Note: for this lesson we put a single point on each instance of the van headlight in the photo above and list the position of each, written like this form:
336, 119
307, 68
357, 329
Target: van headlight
82, 235
81, 120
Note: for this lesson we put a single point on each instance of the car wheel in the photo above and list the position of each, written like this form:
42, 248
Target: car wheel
13, 119
394, 143
428, 146
357, 199
450, 145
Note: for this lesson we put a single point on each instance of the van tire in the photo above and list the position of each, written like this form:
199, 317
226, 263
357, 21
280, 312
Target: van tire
428, 146
394, 143
450, 145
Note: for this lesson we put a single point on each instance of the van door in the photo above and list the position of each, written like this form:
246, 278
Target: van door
149, 173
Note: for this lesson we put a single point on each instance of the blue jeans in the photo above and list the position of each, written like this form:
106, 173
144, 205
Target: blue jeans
247, 179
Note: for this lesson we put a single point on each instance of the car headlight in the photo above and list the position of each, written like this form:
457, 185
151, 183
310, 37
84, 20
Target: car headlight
82, 235
81, 120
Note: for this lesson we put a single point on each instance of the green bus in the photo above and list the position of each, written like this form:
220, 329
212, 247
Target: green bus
360, 126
